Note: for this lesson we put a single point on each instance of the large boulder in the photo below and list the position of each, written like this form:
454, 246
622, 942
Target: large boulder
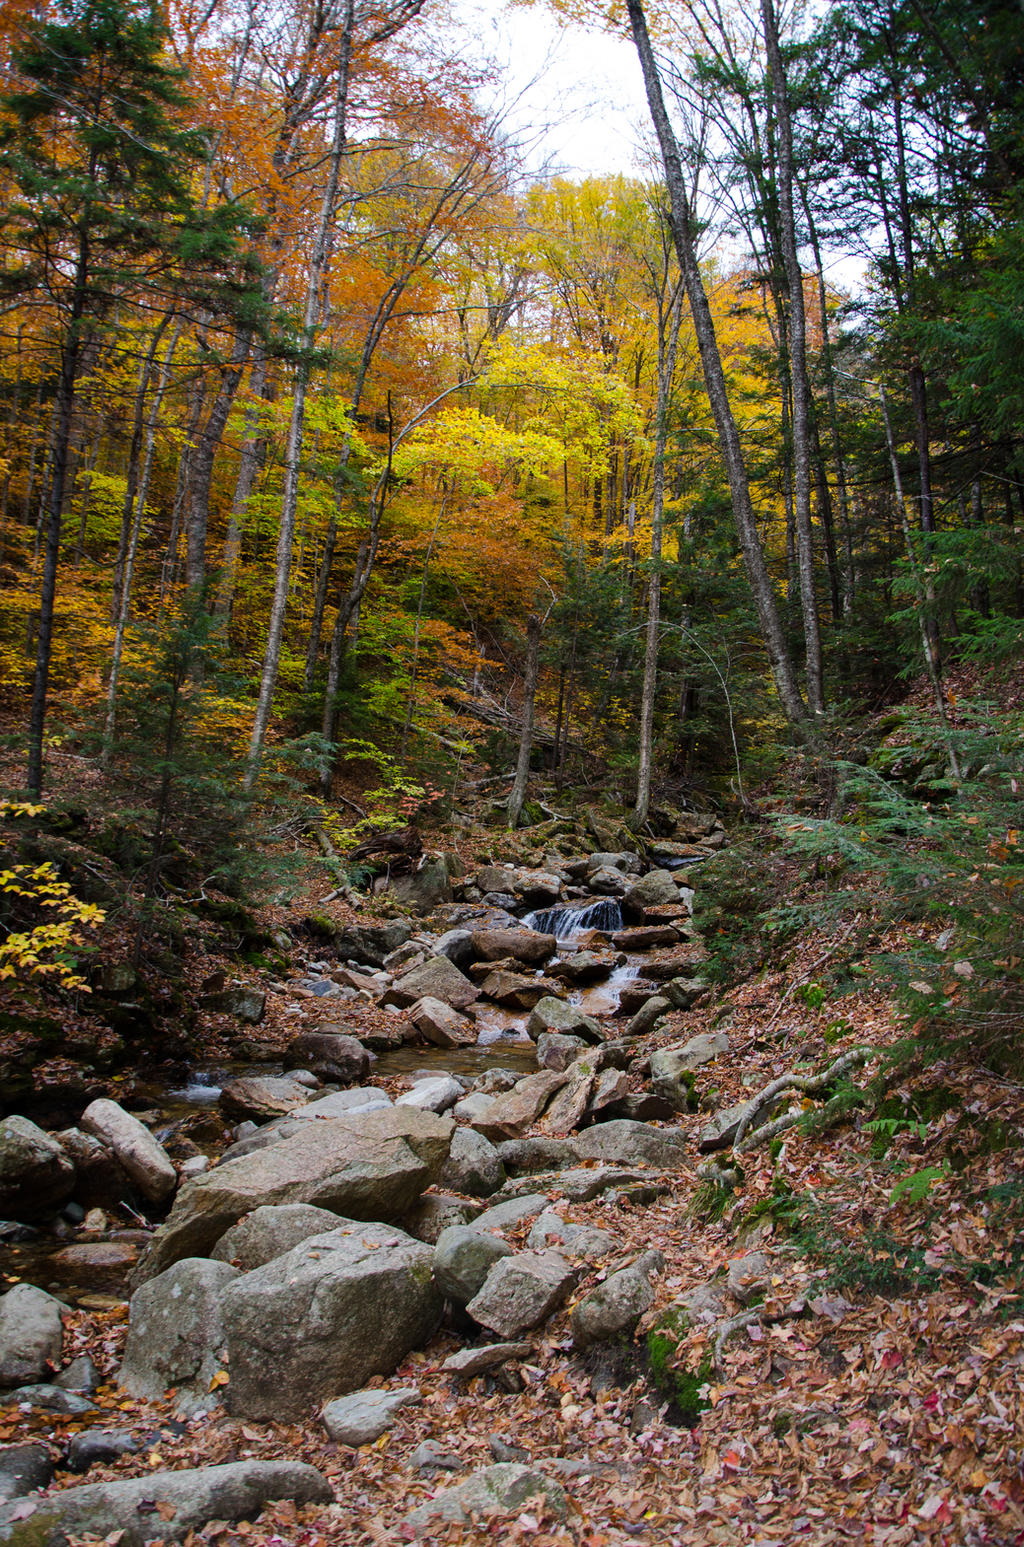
36, 1176
436, 978
515, 990
496, 878
428, 885
627, 1144
537, 888
319, 1321
611, 1310
330, 1055
101, 1182
523, 945
145, 1160
160, 1506
656, 887
473, 1165
269, 1232
673, 1068
522, 1291
372, 1166
176, 1337
565, 1111
557, 1051
260, 1097
510, 1115
554, 1015
31, 1333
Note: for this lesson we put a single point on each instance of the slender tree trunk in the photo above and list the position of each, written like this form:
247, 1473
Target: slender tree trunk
813, 664
290, 495
714, 379
410, 706
134, 452
250, 462
534, 627
204, 455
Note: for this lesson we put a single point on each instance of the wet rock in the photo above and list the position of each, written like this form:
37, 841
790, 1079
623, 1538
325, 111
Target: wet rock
269, 1232
261, 1097
627, 1143
31, 1335
440, 1024
176, 1336
162, 1505
245, 1003
435, 1212
330, 1055
36, 1176
613, 1308
23, 1469
90, 1262
433, 1095
503, 1489
582, 967
655, 888
319, 1321
556, 1050
97, 1447
363, 1416
145, 1161
468, 1362
473, 1165
517, 1110
374, 1165
463, 1257
522, 1291
554, 1015
436, 978
522, 945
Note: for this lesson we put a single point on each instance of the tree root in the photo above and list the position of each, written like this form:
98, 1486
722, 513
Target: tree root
747, 1136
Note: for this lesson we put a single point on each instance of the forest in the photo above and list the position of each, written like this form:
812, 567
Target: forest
525, 665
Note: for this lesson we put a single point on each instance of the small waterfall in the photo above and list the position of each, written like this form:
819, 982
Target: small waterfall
563, 923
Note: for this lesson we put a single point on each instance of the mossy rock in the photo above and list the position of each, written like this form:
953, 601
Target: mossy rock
680, 1383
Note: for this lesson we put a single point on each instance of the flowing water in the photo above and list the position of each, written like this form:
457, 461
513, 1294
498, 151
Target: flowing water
565, 922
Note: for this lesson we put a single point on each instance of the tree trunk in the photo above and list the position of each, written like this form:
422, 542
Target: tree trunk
714, 380
534, 626
204, 454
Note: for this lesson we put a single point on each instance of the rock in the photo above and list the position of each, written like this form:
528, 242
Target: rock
557, 1051
100, 1179
503, 1489
162, 1506
463, 1257
371, 1166
701, 1050
523, 945
94, 1447
642, 1107
565, 1111
583, 967
269, 1232
683, 993
554, 1015
80, 1376
457, 945
36, 1175
656, 887
89, 1262
319, 1321
468, 1362
607, 882
706, 1303
582, 1185
429, 1458
495, 878
31, 1335
51, 1399
612, 1309
493, 1082
517, 1110
363, 1416
720, 1132
512, 1212
145, 1161
537, 888
579, 1242
435, 1212
115, 978
646, 937
434, 1095
610, 1087
515, 990
23, 1469
194, 1166
176, 1336
648, 1015
429, 884
248, 1004
473, 1165
522, 1291
475, 1105
529, 1155
371, 943
629, 1143
502, 1451
748, 1278
340, 1103
440, 1024
672, 1068
330, 1055
261, 1097
436, 978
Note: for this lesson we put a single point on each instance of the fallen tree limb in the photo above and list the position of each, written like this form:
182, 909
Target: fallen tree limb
807, 1084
